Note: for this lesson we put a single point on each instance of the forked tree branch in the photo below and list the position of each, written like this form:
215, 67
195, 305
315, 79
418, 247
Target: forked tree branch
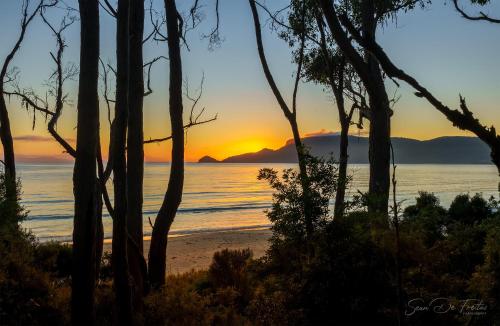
462, 118
108, 8
482, 16
194, 117
25, 21
29, 97
149, 65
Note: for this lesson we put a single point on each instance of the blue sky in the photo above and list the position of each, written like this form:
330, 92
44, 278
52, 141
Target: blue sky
446, 53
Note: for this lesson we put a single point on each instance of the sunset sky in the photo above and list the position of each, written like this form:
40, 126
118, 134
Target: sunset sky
446, 53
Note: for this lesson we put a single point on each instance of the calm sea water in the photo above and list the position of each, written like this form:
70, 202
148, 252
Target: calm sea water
226, 196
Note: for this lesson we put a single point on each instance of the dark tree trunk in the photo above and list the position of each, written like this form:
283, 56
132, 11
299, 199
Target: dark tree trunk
135, 154
463, 118
99, 236
369, 72
342, 177
173, 196
84, 176
380, 126
336, 74
6, 139
121, 280
8, 148
304, 179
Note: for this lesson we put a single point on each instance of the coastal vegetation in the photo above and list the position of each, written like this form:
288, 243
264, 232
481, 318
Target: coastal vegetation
332, 258
346, 273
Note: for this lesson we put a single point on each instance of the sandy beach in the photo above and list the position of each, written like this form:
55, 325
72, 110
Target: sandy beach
195, 251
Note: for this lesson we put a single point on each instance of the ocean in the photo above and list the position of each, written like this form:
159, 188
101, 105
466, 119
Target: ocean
226, 196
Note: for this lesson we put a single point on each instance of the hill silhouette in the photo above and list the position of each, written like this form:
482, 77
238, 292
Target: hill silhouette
442, 150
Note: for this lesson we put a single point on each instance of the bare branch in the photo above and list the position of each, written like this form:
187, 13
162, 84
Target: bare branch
149, 66
105, 79
482, 15
194, 118
28, 100
25, 21
276, 21
59, 73
299, 64
463, 119
187, 126
157, 21
108, 8
213, 37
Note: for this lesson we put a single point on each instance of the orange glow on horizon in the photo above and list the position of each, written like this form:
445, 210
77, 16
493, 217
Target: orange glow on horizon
49, 151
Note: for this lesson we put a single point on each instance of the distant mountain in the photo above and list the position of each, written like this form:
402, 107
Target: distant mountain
442, 150
208, 159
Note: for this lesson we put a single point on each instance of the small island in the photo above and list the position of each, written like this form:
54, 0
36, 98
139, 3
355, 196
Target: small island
208, 159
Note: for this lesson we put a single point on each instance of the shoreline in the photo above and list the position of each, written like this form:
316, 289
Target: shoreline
195, 251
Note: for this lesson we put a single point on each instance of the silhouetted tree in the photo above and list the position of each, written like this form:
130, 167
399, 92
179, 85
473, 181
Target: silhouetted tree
135, 152
324, 64
173, 195
6, 77
290, 114
479, 17
121, 281
86, 190
463, 118
88, 205
368, 14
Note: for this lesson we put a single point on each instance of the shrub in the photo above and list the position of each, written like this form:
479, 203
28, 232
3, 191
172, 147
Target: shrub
228, 268
27, 293
287, 212
426, 219
469, 210
55, 258
178, 303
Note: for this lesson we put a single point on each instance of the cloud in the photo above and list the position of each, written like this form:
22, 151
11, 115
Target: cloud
33, 138
322, 132
60, 158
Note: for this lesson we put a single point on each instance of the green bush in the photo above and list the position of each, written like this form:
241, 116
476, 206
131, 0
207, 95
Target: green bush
28, 294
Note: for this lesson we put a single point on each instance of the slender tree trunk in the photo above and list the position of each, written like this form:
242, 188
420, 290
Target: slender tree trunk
336, 81
380, 127
304, 179
290, 116
121, 279
8, 148
343, 160
173, 196
369, 72
135, 154
84, 176
99, 236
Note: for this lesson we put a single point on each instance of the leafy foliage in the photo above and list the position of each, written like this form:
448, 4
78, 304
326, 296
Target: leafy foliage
287, 212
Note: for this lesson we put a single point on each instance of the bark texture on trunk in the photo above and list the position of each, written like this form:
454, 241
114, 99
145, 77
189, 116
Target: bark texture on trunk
85, 187
173, 195
135, 154
380, 125
121, 280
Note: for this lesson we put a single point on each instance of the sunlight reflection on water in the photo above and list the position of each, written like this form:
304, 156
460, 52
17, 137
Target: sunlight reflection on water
225, 196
